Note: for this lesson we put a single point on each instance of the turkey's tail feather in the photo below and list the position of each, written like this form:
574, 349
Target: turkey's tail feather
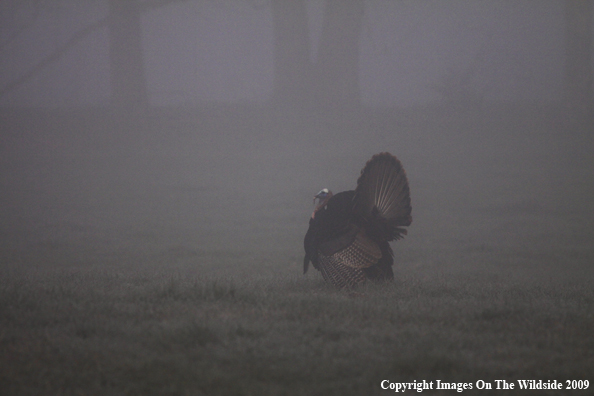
382, 271
382, 196
350, 265
340, 275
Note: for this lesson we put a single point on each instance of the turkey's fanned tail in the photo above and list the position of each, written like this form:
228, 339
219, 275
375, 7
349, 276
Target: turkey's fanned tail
382, 196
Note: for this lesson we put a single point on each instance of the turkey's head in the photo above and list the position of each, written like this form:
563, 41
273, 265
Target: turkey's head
323, 197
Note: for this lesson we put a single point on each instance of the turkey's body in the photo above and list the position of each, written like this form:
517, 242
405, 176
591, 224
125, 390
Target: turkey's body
349, 233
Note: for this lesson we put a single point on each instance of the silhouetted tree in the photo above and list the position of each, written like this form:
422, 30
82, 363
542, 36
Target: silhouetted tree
333, 81
128, 82
337, 69
578, 47
292, 76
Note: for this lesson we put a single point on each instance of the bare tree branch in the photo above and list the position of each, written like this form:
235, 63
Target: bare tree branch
57, 54
73, 40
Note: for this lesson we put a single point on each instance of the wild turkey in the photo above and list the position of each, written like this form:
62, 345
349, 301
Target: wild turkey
349, 233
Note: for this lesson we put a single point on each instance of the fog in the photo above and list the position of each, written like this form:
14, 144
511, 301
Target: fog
220, 51
192, 135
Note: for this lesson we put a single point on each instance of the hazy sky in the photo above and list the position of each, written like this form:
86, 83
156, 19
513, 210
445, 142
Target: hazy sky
223, 51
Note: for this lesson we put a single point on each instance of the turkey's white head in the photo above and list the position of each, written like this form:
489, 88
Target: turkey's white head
323, 197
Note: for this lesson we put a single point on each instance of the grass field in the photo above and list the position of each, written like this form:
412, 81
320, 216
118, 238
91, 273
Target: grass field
163, 256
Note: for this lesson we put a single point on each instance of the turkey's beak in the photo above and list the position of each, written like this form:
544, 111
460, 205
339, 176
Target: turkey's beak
321, 196
317, 196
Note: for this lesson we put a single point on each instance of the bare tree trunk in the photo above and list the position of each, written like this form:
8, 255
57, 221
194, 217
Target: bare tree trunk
578, 47
292, 78
128, 82
338, 56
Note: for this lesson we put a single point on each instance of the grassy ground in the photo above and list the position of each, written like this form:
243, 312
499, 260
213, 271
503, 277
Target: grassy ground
163, 256
103, 333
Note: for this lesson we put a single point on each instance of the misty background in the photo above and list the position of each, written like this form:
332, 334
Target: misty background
373, 53
193, 134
